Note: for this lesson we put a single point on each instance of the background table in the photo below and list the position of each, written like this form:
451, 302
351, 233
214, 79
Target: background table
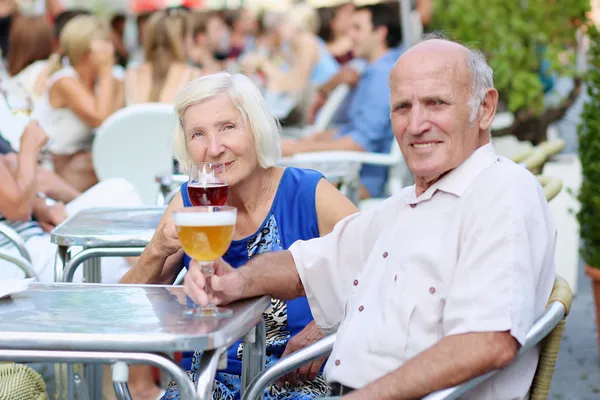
102, 232
95, 323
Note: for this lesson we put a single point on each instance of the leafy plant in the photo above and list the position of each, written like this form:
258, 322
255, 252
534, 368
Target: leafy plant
589, 153
525, 41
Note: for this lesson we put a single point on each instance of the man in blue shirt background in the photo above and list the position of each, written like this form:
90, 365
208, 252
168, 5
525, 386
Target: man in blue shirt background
376, 36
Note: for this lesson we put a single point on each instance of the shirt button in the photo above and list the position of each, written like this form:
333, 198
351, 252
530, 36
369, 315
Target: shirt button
355, 282
337, 362
395, 277
385, 254
413, 205
360, 308
432, 290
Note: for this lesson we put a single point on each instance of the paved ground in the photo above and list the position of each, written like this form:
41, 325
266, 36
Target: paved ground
577, 375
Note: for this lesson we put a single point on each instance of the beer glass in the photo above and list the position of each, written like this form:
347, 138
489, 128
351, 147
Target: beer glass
205, 234
207, 185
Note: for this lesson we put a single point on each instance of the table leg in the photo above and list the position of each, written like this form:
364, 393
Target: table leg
206, 373
253, 357
97, 252
92, 270
93, 374
61, 260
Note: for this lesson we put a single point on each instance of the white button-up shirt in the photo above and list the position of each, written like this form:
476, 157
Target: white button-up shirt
473, 253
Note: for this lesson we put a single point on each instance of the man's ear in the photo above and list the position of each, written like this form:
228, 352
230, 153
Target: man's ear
487, 109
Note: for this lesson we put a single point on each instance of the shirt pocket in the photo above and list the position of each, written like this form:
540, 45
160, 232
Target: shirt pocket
424, 327
388, 336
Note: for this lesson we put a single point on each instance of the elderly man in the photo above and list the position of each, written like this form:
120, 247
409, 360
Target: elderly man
440, 283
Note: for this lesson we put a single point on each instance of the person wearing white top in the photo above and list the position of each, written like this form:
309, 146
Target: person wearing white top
79, 97
440, 283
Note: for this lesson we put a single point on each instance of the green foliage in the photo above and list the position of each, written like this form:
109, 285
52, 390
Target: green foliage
515, 36
589, 153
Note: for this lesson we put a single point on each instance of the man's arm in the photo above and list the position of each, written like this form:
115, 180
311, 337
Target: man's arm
453, 360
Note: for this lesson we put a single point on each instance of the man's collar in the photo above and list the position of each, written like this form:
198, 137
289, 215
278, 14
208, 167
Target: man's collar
459, 179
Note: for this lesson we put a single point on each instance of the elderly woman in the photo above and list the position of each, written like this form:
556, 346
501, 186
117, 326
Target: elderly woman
225, 119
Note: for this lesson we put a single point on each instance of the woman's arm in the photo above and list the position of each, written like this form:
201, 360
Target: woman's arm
17, 189
92, 108
161, 260
332, 206
306, 53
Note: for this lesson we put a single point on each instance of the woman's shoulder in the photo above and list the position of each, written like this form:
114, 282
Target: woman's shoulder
294, 176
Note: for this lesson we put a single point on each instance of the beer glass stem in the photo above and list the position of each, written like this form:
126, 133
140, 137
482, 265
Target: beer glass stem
208, 270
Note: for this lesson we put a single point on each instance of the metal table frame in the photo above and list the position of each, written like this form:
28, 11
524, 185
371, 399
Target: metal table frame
37, 347
95, 247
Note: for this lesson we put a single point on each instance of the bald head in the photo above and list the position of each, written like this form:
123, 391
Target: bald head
442, 106
467, 65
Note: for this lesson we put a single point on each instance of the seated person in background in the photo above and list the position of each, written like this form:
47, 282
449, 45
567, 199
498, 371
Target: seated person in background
244, 27
225, 119
306, 63
440, 283
79, 97
335, 24
165, 71
376, 35
209, 37
31, 45
22, 206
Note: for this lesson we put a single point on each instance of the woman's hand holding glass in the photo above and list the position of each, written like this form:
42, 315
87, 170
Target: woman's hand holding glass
166, 241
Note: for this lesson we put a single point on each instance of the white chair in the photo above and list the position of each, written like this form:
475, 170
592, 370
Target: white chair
23, 262
327, 160
325, 116
134, 143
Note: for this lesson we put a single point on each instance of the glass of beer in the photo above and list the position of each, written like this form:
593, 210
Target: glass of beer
205, 234
207, 185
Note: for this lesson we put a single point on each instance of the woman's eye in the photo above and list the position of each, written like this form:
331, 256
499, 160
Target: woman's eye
197, 135
228, 127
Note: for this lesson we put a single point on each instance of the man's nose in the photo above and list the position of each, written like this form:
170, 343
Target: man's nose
418, 121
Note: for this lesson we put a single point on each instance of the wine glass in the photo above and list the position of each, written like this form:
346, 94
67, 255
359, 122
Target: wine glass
205, 234
207, 185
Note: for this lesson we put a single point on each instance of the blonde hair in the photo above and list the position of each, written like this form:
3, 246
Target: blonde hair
304, 17
163, 46
246, 98
76, 38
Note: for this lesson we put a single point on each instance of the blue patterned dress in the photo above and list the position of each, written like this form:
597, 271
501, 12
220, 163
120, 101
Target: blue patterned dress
292, 217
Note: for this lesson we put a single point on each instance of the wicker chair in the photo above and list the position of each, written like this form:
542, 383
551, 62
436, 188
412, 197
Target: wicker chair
535, 159
552, 186
547, 330
20, 382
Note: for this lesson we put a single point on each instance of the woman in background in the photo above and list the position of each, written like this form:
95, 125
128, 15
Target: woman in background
335, 23
165, 70
30, 44
79, 96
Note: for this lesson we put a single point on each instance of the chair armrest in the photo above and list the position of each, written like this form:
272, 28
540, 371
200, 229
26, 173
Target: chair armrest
554, 313
16, 240
351, 156
20, 262
288, 364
